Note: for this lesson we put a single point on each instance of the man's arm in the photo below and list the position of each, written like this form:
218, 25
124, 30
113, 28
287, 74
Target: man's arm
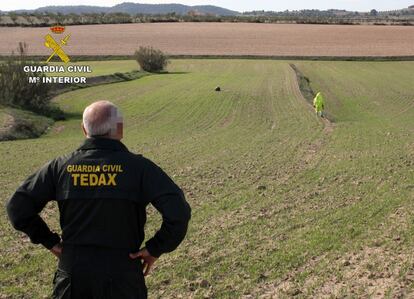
176, 214
28, 201
169, 200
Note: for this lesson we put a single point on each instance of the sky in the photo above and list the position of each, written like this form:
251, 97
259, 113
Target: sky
354, 5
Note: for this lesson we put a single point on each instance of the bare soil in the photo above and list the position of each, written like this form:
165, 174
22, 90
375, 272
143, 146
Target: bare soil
221, 39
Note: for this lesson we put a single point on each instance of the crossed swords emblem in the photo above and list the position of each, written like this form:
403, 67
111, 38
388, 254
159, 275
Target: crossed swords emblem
57, 48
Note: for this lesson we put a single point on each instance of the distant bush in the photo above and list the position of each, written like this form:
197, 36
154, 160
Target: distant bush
16, 91
150, 59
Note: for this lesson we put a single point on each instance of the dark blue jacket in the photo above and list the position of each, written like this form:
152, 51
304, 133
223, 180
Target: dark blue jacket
102, 191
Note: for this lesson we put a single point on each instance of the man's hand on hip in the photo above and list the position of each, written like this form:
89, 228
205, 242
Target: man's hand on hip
57, 250
148, 259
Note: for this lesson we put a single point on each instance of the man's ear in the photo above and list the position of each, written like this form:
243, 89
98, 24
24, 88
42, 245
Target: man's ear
120, 130
84, 130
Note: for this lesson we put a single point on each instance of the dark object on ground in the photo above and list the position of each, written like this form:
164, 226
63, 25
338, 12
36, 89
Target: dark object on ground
218, 88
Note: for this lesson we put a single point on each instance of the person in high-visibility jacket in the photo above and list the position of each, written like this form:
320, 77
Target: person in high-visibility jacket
319, 104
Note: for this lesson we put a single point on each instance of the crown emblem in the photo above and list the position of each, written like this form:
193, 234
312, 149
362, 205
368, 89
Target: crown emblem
57, 29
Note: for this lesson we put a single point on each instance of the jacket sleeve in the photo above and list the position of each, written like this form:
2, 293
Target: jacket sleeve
27, 202
169, 200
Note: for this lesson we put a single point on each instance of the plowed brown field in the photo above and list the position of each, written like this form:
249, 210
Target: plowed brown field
222, 39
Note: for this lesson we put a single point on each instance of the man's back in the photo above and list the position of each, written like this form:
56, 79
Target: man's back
102, 191
99, 180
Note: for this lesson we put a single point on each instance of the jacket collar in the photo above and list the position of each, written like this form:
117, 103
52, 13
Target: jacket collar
103, 143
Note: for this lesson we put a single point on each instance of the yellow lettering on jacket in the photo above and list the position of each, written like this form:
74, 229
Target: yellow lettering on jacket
93, 179
75, 177
84, 179
111, 179
102, 180
94, 175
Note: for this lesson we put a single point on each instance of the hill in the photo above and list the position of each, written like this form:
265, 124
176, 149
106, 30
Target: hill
136, 8
79, 9
284, 204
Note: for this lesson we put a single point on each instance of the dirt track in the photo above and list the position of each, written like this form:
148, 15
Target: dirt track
222, 39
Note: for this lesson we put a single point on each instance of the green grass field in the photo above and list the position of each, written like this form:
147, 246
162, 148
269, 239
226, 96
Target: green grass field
284, 204
19, 124
100, 68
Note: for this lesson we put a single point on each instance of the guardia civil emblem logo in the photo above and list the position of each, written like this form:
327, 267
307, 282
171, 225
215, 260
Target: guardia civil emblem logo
57, 48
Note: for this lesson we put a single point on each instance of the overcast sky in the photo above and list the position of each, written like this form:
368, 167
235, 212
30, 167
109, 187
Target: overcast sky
359, 5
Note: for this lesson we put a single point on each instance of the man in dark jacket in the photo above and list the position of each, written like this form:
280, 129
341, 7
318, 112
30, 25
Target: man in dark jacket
102, 191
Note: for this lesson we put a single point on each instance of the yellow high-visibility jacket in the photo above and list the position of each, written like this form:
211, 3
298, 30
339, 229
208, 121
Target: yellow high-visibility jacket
319, 102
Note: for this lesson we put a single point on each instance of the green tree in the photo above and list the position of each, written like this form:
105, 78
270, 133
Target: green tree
13, 16
17, 91
150, 59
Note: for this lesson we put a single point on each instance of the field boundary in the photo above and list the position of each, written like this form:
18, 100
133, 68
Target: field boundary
22, 124
98, 80
77, 58
307, 93
312, 58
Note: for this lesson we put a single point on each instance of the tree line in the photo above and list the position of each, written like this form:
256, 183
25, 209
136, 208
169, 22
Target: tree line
400, 17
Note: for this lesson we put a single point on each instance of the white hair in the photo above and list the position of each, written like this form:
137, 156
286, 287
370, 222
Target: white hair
101, 119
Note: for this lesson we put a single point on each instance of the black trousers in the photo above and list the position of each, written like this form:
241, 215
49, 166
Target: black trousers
98, 273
